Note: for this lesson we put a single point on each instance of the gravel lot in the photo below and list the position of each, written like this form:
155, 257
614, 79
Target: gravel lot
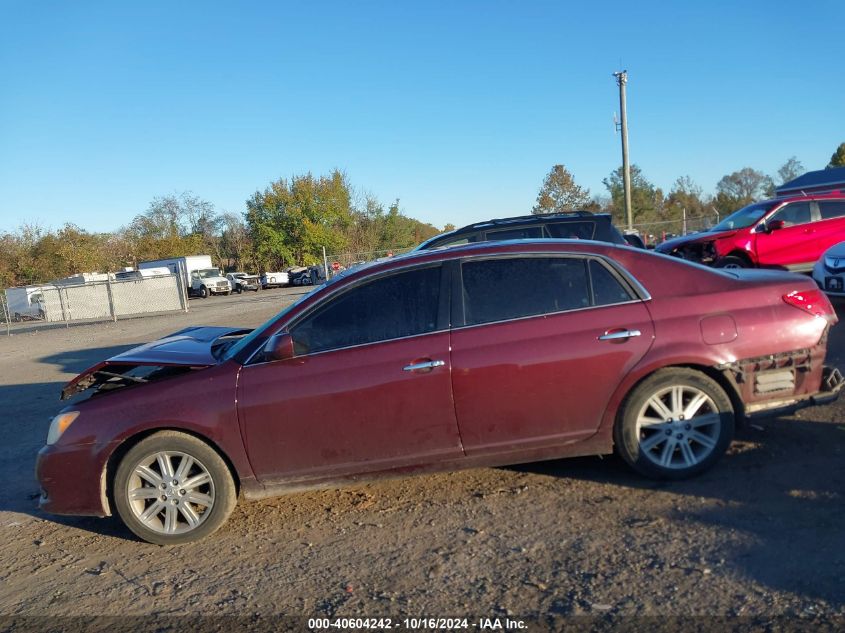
760, 535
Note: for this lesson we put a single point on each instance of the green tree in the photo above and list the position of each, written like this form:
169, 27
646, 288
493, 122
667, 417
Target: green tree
172, 226
291, 221
740, 188
646, 199
686, 196
560, 193
838, 157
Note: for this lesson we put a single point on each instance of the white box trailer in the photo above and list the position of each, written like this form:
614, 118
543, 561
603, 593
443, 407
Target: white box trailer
180, 265
199, 275
26, 304
145, 273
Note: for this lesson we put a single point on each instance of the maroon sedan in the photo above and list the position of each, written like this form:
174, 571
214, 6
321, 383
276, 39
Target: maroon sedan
481, 355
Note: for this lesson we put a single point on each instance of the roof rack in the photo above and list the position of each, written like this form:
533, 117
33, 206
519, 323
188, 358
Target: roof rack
533, 216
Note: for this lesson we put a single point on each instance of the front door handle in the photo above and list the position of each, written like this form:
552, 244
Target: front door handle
615, 335
429, 364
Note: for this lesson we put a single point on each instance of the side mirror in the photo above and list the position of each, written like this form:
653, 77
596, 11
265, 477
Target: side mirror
774, 225
279, 347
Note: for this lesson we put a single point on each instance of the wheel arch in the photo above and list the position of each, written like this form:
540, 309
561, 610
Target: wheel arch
108, 472
727, 384
616, 405
743, 255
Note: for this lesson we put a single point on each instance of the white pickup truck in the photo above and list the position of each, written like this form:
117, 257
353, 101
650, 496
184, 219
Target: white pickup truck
209, 281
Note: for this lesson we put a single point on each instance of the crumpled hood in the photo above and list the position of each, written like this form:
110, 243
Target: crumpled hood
706, 236
190, 347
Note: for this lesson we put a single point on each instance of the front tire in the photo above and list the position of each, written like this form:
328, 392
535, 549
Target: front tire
675, 424
731, 261
173, 488
204, 292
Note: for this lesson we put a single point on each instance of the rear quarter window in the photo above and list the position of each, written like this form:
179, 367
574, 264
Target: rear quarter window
581, 230
832, 209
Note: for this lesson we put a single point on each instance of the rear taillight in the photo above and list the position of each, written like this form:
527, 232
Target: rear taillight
813, 301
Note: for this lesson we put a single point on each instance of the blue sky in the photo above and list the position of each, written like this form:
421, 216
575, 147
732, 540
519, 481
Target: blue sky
458, 109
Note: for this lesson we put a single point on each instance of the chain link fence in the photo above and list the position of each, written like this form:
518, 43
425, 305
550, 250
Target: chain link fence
338, 262
653, 233
91, 301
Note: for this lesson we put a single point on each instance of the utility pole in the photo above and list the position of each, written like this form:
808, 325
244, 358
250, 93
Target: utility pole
621, 80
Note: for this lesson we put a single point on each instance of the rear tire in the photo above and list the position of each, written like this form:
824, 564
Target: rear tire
675, 424
162, 512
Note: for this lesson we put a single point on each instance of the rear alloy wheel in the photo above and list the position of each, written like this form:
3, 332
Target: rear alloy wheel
675, 424
173, 488
731, 261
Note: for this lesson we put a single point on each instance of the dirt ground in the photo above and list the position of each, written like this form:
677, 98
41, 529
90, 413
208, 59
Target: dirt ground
760, 535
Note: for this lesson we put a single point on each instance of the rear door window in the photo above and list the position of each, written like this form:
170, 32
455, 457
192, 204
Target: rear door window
514, 287
832, 209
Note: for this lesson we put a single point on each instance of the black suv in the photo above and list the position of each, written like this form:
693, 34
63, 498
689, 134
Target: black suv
581, 225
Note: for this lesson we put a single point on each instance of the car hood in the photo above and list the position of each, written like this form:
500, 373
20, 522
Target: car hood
706, 236
191, 347
836, 251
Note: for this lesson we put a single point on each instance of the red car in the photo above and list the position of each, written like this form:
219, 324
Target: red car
479, 355
788, 233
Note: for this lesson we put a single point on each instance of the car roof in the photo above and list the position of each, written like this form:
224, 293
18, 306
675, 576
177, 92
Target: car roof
527, 219
481, 249
516, 221
797, 197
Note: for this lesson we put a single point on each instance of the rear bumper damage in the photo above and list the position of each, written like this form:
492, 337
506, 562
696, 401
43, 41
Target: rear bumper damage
832, 383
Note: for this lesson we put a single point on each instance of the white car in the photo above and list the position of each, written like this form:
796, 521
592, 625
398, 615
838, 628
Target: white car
274, 280
242, 281
829, 271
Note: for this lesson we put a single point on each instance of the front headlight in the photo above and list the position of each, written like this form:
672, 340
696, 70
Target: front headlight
833, 263
59, 425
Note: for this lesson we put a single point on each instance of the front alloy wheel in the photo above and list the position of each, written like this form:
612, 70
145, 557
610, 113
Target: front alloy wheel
731, 262
675, 424
173, 488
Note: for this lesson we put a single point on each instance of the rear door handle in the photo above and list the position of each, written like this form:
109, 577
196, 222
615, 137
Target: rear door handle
614, 335
429, 364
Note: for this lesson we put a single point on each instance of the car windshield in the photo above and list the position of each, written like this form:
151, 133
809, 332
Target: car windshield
260, 330
209, 272
745, 217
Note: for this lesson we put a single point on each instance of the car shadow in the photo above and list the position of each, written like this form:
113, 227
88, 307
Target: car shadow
75, 361
28, 409
776, 497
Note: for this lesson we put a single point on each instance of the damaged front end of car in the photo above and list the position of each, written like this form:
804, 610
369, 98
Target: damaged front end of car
188, 350
703, 252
